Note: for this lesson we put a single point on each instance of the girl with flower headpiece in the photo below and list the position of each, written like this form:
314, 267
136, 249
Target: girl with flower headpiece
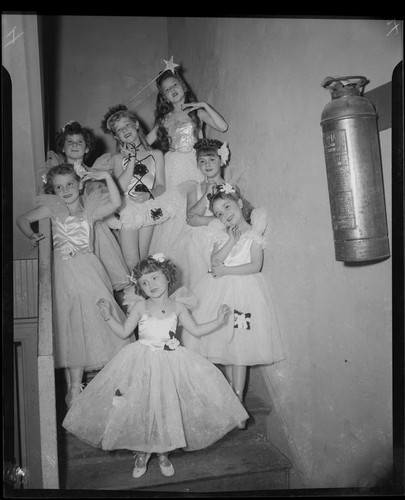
193, 243
139, 171
82, 340
251, 335
155, 395
74, 144
180, 119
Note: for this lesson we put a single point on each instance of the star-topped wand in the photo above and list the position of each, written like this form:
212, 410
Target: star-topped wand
170, 65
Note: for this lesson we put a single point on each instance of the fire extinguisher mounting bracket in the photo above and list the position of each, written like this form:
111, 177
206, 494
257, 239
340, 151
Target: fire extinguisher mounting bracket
339, 82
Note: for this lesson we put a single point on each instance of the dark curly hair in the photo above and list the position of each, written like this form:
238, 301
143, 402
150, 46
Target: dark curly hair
74, 128
150, 265
204, 146
164, 107
63, 169
117, 112
219, 194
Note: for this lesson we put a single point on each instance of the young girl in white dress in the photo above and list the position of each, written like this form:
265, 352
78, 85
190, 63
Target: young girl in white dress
156, 396
139, 171
179, 123
82, 339
251, 335
193, 246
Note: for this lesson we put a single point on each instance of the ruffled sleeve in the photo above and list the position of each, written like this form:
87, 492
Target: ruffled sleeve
94, 202
259, 220
56, 206
104, 162
185, 296
130, 297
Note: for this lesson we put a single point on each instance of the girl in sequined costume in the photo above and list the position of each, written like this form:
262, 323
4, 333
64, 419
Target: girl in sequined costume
179, 122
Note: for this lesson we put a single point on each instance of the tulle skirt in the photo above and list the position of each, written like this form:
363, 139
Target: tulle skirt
181, 171
155, 401
108, 250
251, 335
82, 337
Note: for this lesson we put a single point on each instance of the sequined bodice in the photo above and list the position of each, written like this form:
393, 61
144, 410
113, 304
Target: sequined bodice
71, 236
182, 132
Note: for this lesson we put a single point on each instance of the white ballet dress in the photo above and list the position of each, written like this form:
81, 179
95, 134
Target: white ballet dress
155, 396
180, 171
252, 335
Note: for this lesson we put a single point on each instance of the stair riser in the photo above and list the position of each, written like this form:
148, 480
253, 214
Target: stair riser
254, 482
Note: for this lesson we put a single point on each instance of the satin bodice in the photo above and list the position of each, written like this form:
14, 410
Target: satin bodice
182, 132
154, 332
71, 236
240, 252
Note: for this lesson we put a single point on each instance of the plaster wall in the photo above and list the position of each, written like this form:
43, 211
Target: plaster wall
334, 389
104, 61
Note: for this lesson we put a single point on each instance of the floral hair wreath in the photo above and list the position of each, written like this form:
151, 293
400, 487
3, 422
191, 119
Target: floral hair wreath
223, 152
226, 188
221, 188
159, 257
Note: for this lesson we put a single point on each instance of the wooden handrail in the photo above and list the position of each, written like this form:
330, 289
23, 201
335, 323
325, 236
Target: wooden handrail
46, 365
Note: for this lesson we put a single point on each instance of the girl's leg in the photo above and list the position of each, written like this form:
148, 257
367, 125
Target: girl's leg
68, 379
145, 237
239, 380
229, 374
74, 378
129, 239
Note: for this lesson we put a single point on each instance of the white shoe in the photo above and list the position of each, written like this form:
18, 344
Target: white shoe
166, 469
139, 470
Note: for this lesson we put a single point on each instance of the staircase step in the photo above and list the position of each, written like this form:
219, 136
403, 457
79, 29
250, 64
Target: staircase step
240, 461
250, 464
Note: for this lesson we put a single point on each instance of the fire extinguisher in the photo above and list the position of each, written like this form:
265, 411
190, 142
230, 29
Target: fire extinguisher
354, 173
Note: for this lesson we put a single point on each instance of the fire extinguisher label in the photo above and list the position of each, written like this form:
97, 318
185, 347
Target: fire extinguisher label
339, 179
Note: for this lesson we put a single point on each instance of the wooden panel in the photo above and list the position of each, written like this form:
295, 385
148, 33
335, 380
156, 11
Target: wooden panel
45, 340
27, 437
46, 368
47, 417
25, 283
